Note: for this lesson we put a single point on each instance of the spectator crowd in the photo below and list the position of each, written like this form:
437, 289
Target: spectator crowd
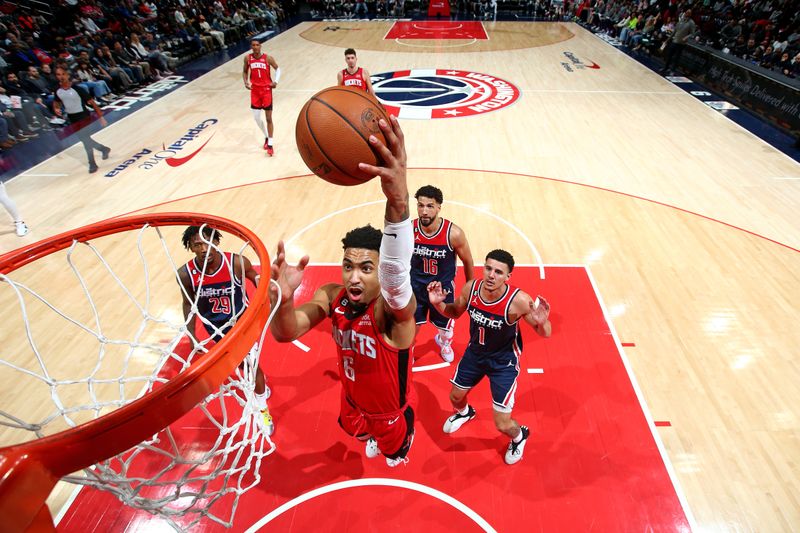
110, 47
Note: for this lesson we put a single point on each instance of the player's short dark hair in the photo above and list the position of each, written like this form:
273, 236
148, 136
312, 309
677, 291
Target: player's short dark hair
365, 237
429, 191
255, 41
209, 233
503, 257
349, 51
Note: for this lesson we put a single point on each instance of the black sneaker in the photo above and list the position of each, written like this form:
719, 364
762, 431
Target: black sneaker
455, 421
515, 449
105, 151
92, 168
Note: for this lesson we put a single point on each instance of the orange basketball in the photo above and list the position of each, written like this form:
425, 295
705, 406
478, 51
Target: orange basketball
332, 134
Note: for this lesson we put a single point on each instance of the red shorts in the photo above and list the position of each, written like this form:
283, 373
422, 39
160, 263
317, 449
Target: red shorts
392, 431
261, 97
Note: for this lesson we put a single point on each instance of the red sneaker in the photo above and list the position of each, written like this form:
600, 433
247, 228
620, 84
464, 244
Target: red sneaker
266, 143
270, 151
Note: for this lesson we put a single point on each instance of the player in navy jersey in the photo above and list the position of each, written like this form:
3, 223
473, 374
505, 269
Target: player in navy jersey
216, 280
353, 75
437, 242
371, 311
495, 344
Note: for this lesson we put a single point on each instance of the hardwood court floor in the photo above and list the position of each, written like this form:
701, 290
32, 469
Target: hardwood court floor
687, 222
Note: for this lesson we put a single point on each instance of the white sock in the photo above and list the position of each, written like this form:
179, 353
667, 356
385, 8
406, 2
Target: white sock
9, 204
259, 122
518, 438
269, 141
464, 411
261, 400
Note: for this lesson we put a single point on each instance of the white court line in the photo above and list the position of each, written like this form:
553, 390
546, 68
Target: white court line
664, 457
524, 237
41, 175
536, 371
373, 482
301, 346
429, 367
786, 178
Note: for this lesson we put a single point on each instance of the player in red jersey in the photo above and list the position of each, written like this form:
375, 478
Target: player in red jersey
495, 344
214, 282
258, 79
372, 313
353, 75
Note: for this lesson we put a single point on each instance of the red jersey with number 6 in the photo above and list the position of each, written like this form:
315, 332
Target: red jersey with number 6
376, 377
220, 294
354, 80
259, 71
490, 331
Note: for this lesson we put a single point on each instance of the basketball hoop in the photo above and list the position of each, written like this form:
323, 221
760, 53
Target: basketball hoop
105, 447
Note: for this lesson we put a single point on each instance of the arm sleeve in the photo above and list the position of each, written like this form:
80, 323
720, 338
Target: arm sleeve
394, 269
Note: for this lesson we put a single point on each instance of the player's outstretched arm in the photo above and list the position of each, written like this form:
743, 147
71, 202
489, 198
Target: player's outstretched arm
397, 244
459, 241
437, 294
291, 322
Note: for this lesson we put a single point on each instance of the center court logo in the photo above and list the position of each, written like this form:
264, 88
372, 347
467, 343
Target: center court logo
173, 154
442, 93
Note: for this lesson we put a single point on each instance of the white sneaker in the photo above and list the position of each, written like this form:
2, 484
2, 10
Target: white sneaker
21, 228
391, 463
267, 392
372, 450
455, 421
269, 424
515, 449
447, 354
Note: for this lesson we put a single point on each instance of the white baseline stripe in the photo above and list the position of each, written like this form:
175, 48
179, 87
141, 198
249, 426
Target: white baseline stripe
536, 371
429, 367
664, 457
372, 482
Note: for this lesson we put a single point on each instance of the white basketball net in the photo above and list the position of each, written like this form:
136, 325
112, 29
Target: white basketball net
210, 456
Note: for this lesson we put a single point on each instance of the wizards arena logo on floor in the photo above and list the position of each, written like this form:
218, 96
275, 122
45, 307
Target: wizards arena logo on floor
176, 154
442, 93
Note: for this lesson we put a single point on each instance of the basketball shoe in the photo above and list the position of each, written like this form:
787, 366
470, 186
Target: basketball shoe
456, 420
515, 449
372, 450
269, 424
391, 463
445, 351
20, 228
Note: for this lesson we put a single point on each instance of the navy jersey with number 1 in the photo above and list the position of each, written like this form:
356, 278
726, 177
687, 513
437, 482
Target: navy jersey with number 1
490, 331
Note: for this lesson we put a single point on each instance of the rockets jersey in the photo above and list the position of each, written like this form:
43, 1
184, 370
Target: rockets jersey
490, 331
259, 71
354, 80
220, 295
376, 377
434, 258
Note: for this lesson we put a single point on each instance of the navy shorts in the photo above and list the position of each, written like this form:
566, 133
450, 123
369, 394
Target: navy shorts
502, 368
425, 311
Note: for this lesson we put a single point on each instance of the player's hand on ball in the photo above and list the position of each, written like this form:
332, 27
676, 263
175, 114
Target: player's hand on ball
393, 171
288, 277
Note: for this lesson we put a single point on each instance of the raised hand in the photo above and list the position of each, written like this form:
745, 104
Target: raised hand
393, 171
288, 277
436, 294
539, 309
